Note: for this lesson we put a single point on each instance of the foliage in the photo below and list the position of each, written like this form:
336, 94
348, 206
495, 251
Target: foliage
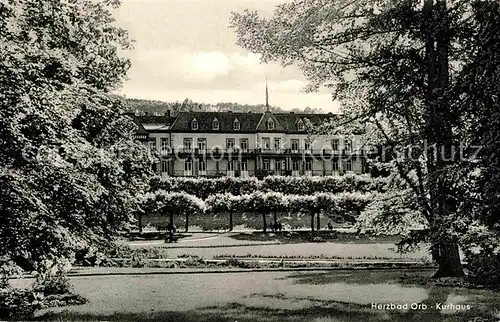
402, 70
90, 256
344, 206
69, 165
19, 304
392, 213
53, 283
141, 107
203, 187
483, 255
51, 288
179, 203
481, 125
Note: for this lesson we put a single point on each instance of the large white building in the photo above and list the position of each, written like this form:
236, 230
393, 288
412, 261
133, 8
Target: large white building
216, 144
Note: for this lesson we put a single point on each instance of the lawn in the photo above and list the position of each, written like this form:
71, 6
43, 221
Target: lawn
280, 296
302, 249
305, 236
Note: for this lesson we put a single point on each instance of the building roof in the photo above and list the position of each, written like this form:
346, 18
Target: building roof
290, 121
249, 122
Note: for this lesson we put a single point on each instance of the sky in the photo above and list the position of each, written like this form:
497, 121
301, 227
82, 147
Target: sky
185, 49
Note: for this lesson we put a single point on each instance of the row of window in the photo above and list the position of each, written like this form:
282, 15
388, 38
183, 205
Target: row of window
243, 165
243, 144
237, 125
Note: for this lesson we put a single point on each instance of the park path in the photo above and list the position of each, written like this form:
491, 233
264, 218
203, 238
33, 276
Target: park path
200, 240
210, 246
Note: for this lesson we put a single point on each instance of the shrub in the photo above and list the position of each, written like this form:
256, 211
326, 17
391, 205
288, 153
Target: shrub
19, 304
53, 283
482, 251
91, 256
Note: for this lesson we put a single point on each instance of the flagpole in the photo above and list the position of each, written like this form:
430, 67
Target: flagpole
267, 97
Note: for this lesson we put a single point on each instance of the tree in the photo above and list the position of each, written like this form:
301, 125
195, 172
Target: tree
302, 204
70, 169
173, 203
481, 125
394, 66
225, 202
275, 202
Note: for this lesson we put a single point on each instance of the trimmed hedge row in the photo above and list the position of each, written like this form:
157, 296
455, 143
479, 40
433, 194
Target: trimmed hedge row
204, 187
346, 205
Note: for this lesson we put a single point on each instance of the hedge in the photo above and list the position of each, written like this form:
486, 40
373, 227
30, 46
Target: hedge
304, 185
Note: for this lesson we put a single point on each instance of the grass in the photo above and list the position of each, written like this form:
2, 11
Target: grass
319, 296
294, 237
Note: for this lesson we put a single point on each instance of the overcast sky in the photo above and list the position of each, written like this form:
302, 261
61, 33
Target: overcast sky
184, 49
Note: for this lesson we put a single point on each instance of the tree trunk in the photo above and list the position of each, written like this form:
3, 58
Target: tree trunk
318, 222
312, 222
187, 222
440, 121
139, 219
275, 219
170, 232
230, 221
264, 222
449, 260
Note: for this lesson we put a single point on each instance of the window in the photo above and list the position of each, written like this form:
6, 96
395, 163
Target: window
295, 145
244, 144
270, 124
307, 145
300, 125
152, 145
236, 125
244, 165
278, 165
308, 165
295, 165
155, 167
188, 144
188, 165
265, 164
348, 145
229, 144
215, 125
230, 166
194, 125
348, 165
266, 143
277, 144
335, 166
164, 167
202, 144
202, 166
335, 144
164, 144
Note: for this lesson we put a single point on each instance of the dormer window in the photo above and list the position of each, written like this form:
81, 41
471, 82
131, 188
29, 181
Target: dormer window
236, 125
215, 125
270, 124
194, 125
300, 125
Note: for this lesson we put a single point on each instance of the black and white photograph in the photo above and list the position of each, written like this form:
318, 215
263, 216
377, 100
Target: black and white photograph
246, 160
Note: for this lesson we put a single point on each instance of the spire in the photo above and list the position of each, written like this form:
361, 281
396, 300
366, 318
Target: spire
267, 97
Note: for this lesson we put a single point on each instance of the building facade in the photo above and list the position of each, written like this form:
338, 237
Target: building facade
215, 144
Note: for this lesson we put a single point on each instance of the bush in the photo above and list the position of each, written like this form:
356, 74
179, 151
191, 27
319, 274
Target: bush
91, 256
482, 251
53, 283
19, 304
